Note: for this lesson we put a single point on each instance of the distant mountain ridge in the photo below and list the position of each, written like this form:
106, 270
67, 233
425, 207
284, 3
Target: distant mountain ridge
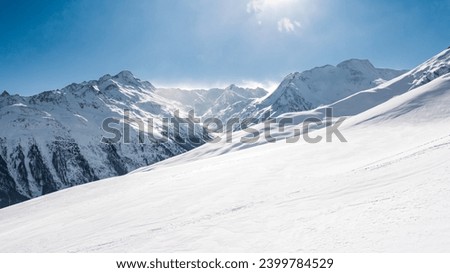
217, 102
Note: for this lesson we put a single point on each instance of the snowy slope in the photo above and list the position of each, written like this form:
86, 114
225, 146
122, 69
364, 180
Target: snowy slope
386, 189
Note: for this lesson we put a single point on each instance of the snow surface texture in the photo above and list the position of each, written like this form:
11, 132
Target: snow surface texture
386, 189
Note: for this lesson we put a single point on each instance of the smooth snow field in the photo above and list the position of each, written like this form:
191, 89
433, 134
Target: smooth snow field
387, 189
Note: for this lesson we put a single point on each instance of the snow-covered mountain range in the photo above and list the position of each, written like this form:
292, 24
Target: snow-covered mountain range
319, 86
52, 140
386, 189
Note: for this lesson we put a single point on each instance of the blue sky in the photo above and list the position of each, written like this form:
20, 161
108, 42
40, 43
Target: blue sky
46, 44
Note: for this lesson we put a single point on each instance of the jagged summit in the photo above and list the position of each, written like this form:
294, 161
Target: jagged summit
126, 76
105, 78
121, 83
5, 93
358, 64
232, 87
247, 92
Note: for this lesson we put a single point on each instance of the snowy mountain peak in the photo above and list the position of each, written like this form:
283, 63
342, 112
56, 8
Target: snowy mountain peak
126, 76
356, 64
5, 94
232, 87
246, 92
105, 78
122, 84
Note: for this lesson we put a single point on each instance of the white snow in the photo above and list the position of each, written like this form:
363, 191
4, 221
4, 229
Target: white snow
386, 189
19, 105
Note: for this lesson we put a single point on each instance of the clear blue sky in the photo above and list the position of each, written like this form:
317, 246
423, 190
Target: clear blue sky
46, 44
